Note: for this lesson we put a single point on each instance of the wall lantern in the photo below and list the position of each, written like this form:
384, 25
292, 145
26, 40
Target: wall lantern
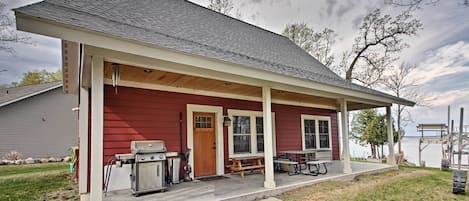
226, 121
115, 76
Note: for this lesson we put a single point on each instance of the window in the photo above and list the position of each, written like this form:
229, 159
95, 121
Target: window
260, 134
310, 134
242, 134
246, 134
323, 134
316, 132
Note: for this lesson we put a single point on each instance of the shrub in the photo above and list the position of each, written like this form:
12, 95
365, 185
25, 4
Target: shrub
13, 155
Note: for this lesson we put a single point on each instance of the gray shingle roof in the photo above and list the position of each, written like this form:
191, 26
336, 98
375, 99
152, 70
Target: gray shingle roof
187, 27
14, 94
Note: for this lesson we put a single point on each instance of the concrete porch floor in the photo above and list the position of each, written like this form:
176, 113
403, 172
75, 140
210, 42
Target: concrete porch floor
250, 187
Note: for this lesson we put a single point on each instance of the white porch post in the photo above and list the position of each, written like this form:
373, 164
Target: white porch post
345, 141
268, 149
97, 99
83, 144
391, 159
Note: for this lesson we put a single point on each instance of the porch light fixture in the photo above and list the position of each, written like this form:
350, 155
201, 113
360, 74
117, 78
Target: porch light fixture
115, 75
226, 121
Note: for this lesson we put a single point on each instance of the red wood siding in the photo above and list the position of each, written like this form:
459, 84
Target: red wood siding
288, 127
141, 114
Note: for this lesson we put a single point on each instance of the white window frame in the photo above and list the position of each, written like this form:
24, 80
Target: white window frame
252, 115
316, 119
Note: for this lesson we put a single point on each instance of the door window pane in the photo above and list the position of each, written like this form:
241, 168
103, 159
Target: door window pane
310, 134
203, 122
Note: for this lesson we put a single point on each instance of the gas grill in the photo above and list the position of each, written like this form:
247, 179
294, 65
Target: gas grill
148, 170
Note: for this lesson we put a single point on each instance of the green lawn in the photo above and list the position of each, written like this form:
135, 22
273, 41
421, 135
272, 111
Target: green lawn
408, 183
35, 182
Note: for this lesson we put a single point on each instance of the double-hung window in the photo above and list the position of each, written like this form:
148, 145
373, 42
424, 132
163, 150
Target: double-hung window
316, 132
246, 133
242, 134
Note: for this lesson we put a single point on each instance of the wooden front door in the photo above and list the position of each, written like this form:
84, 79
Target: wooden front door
205, 146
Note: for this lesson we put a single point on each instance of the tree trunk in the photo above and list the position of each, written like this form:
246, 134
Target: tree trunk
373, 151
382, 150
377, 152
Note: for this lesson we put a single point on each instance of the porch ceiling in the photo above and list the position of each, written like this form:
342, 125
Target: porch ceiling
157, 77
176, 80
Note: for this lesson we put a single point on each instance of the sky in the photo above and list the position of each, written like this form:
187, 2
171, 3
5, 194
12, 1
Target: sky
440, 50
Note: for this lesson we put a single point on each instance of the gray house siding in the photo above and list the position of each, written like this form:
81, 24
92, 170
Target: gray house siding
40, 126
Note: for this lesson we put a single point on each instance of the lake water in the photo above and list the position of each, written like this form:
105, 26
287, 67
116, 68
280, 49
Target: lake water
410, 146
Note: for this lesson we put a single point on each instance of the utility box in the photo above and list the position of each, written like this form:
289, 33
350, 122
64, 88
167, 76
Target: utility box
174, 167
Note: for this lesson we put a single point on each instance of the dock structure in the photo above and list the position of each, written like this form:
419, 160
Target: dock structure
448, 136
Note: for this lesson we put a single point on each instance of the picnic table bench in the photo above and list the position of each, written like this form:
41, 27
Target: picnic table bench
294, 166
314, 167
241, 164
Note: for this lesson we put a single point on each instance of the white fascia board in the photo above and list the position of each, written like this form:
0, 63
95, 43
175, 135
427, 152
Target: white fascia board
35, 25
30, 95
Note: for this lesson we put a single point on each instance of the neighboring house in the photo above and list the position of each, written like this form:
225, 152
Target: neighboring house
146, 62
37, 120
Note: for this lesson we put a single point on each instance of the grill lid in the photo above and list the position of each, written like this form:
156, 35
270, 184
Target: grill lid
147, 146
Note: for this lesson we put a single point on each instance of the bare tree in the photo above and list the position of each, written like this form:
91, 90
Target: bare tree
317, 44
222, 6
417, 4
402, 84
378, 45
8, 33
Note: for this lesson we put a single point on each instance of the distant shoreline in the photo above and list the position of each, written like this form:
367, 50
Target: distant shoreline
418, 136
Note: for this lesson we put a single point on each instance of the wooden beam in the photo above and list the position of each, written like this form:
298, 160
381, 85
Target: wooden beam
86, 72
345, 137
83, 144
268, 139
70, 66
391, 159
97, 101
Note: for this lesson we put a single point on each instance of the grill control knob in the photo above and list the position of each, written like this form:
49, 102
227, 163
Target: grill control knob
152, 157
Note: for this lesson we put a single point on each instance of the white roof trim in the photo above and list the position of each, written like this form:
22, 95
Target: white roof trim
30, 95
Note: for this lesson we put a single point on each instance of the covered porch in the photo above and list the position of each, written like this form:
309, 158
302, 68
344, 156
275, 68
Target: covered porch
155, 74
116, 79
233, 187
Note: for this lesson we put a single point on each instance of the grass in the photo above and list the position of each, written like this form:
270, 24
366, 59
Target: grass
12, 170
35, 182
407, 183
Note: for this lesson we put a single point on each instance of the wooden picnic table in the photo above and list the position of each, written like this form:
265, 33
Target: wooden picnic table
240, 164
